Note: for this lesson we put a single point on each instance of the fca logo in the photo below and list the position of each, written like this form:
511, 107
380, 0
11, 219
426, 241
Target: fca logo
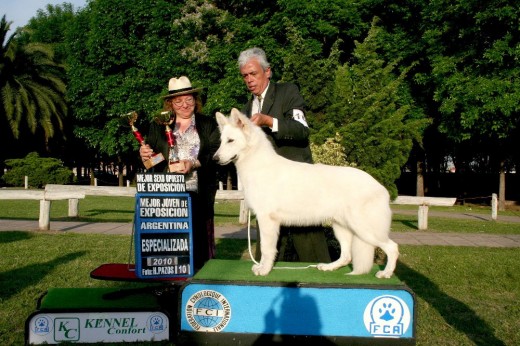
66, 329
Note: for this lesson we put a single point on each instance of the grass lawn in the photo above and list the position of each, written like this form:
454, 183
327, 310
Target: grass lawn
121, 209
465, 296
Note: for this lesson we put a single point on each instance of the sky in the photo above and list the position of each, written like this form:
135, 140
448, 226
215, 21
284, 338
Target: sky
20, 11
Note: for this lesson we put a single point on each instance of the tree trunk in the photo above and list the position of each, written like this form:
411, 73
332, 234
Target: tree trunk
229, 183
502, 187
92, 177
120, 166
420, 179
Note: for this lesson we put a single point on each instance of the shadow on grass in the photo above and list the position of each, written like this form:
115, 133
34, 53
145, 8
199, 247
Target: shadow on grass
14, 281
100, 215
97, 212
456, 313
12, 237
407, 223
92, 220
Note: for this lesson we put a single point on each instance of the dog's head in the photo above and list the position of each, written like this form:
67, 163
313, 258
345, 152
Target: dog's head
235, 133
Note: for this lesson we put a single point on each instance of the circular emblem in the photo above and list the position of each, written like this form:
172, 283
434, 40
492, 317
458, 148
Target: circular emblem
208, 311
387, 316
42, 325
156, 324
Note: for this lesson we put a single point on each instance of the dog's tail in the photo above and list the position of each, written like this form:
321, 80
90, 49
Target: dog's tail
362, 256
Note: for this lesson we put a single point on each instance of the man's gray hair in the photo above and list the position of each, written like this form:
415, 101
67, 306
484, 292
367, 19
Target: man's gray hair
253, 53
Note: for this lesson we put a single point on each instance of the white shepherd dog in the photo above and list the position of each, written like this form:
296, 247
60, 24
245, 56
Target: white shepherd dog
285, 192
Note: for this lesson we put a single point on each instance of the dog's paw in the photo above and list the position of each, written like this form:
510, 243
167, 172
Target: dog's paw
261, 270
383, 275
332, 265
326, 267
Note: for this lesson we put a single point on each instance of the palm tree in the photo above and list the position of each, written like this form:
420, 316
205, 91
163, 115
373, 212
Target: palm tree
31, 85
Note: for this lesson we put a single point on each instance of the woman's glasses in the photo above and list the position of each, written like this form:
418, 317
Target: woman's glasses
179, 102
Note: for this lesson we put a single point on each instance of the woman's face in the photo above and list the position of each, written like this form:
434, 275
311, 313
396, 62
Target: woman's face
183, 106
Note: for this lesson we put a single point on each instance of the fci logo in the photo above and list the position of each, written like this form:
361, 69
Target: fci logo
66, 329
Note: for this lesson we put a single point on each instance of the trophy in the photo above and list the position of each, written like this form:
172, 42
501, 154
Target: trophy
156, 158
174, 163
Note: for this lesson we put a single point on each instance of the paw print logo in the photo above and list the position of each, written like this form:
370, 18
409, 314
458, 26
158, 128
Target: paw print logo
387, 312
387, 316
42, 325
41, 322
156, 320
156, 324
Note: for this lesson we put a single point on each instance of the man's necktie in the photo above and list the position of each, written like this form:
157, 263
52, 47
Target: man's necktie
259, 103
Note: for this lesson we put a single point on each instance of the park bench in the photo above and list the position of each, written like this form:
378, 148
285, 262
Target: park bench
89, 190
75, 192
424, 203
119, 191
45, 198
72, 193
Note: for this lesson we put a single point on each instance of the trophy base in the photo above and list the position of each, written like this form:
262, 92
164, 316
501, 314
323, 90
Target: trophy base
155, 159
176, 166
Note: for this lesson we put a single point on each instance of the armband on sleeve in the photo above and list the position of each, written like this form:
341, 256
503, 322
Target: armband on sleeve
299, 117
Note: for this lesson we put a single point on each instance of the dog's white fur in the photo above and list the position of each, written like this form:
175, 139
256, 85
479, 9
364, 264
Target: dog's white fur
285, 192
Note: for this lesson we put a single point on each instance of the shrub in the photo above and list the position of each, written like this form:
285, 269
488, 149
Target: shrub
330, 153
40, 171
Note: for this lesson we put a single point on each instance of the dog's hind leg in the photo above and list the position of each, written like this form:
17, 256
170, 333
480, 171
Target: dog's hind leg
362, 256
344, 237
269, 232
387, 245
392, 253
372, 226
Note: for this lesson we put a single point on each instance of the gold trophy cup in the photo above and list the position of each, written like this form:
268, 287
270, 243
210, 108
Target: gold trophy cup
157, 157
174, 163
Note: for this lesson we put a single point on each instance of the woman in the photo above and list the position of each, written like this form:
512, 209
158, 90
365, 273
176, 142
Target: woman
197, 139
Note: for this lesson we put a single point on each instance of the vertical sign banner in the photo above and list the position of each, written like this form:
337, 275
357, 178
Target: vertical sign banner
163, 227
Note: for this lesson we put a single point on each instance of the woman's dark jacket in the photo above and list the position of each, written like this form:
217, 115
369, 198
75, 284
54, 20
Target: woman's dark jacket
209, 142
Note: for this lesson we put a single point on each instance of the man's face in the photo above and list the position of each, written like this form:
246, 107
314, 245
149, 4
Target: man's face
255, 77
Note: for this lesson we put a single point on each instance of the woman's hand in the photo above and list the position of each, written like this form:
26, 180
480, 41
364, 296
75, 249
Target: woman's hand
145, 152
183, 166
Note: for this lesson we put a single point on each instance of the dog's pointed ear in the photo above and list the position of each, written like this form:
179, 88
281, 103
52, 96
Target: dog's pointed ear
233, 116
239, 119
221, 120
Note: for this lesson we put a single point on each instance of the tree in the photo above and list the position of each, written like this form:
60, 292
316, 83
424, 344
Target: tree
304, 65
50, 26
119, 62
373, 113
476, 76
31, 86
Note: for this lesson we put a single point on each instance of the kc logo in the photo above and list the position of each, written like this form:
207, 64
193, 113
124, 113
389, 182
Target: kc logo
66, 329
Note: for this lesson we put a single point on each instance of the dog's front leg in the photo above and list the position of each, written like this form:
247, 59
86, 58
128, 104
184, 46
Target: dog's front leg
269, 231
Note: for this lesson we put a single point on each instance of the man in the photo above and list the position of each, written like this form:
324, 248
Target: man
279, 109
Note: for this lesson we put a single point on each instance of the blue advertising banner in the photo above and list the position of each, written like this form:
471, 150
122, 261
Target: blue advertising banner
311, 311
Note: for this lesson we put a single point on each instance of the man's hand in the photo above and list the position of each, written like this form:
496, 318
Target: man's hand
262, 120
